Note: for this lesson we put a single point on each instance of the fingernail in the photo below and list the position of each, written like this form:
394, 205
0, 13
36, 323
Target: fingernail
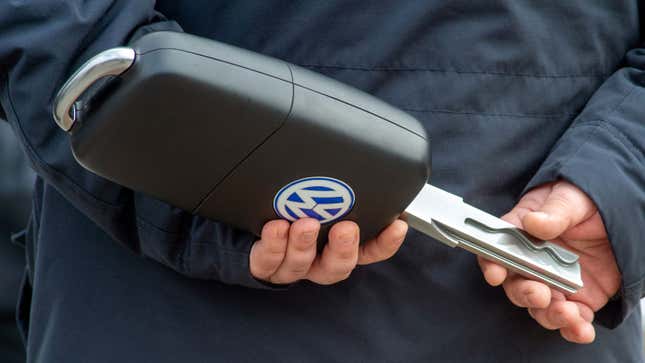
308, 236
282, 233
347, 238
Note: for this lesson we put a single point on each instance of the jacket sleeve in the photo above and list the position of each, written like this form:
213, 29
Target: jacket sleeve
603, 153
43, 42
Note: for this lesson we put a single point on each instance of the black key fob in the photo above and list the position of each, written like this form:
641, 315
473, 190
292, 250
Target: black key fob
242, 138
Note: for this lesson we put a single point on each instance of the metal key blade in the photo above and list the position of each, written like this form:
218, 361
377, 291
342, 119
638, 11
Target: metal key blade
447, 218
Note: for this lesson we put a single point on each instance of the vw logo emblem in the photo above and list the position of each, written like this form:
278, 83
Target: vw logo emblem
325, 199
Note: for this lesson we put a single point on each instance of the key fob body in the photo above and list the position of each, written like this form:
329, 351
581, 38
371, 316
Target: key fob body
243, 138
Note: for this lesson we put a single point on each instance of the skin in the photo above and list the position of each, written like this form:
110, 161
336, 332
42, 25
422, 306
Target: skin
563, 214
286, 252
559, 212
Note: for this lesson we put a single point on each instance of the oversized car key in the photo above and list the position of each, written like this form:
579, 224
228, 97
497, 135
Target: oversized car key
242, 138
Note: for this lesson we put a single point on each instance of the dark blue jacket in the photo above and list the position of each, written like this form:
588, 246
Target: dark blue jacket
16, 183
512, 93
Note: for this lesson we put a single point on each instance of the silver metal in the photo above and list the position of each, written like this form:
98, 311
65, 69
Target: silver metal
448, 219
111, 62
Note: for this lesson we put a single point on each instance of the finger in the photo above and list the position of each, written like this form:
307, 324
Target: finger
268, 252
385, 245
557, 296
301, 251
591, 229
563, 314
586, 312
494, 274
565, 207
535, 198
582, 333
539, 315
339, 257
527, 293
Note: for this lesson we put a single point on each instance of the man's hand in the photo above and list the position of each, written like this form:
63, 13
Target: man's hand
287, 253
562, 213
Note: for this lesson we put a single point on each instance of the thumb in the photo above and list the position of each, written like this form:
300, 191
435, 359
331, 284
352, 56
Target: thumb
565, 207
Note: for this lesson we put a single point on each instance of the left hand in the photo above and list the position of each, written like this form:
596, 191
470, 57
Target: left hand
562, 213
287, 253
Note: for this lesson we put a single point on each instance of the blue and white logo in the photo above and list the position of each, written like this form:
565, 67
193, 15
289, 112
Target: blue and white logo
323, 198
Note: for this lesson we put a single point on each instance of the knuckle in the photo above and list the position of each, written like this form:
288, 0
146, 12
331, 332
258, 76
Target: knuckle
383, 252
275, 250
298, 270
391, 244
346, 255
559, 200
264, 263
336, 267
344, 271
558, 311
271, 261
299, 261
304, 242
531, 202
266, 253
302, 248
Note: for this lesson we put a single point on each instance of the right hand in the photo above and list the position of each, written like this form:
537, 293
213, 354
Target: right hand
562, 213
286, 252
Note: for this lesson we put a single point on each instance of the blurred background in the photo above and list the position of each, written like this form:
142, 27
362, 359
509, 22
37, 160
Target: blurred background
16, 180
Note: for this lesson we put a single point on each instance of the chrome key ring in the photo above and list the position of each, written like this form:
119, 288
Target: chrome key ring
111, 62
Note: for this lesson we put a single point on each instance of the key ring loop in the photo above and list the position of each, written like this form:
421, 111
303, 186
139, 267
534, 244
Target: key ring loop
111, 62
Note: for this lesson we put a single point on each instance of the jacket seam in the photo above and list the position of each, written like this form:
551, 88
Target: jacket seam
615, 134
519, 115
614, 131
594, 129
621, 138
